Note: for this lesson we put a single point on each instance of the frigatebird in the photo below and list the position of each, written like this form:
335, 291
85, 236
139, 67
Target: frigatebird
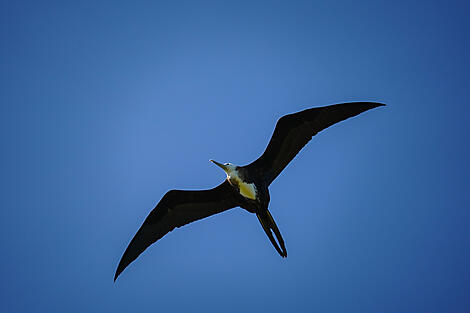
245, 186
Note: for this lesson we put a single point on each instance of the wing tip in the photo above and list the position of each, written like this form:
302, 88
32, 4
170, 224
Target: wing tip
370, 103
121, 266
365, 106
377, 104
118, 272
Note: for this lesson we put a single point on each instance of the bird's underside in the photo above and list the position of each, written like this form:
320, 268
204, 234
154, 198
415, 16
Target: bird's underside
245, 186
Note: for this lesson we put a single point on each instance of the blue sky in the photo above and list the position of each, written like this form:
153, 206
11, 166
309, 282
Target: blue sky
107, 105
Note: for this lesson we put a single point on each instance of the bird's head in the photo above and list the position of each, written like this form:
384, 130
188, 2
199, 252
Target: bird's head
227, 167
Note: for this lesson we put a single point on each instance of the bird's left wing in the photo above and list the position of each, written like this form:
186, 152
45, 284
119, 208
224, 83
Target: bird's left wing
175, 209
294, 131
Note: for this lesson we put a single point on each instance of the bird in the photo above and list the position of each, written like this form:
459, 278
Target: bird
245, 186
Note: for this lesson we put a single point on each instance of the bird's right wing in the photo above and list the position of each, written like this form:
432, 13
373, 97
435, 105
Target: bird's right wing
175, 209
294, 131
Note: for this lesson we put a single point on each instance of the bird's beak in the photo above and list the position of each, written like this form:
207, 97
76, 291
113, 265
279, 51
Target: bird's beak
219, 165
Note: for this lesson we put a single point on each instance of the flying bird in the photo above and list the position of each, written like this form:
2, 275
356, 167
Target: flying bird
245, 186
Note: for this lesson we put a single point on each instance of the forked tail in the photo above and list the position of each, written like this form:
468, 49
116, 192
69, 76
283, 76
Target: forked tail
269, 226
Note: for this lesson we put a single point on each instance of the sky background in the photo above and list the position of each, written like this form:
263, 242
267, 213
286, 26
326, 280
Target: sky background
107, 105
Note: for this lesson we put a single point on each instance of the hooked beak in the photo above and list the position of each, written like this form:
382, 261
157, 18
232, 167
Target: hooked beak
219, 165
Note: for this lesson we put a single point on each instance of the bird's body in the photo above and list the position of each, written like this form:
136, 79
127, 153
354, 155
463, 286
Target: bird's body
245, 186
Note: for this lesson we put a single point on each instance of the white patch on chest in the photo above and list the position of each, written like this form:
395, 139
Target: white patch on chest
246, 190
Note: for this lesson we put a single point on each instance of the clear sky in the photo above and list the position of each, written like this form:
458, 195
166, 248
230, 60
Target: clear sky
107, 105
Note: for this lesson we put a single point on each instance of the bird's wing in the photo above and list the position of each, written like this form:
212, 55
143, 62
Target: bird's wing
175, 209
293, 131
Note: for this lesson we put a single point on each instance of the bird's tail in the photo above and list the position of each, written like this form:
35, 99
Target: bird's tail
269, 226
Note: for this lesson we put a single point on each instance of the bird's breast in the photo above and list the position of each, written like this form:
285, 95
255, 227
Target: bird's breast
248, 190
245, 189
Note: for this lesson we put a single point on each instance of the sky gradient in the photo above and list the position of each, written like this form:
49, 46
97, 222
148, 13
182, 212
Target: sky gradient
107, 105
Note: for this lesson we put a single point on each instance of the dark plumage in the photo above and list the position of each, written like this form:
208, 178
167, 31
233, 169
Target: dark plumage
245, 186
